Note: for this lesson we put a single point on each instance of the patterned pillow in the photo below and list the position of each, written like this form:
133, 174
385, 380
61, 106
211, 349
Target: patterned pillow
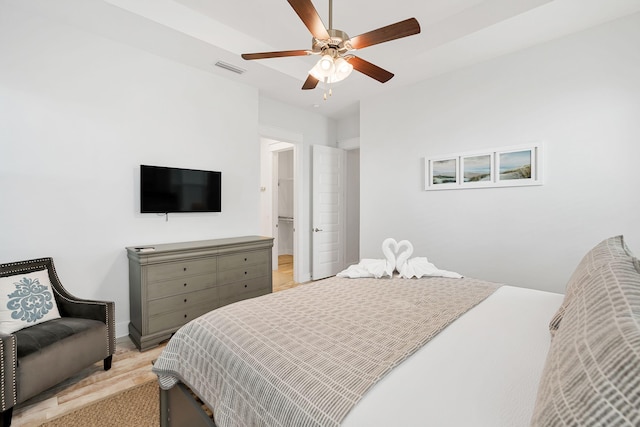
608, 250
592, 372
26, 300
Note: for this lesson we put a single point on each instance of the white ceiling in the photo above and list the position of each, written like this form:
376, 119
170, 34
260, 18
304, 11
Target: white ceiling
455, 34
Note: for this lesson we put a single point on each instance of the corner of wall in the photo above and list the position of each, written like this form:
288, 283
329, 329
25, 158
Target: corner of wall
349, 144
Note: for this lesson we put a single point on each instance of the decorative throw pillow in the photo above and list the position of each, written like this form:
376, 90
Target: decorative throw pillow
26, 300
613, 248
591, 376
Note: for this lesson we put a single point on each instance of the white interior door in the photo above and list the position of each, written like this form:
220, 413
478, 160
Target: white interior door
328, 220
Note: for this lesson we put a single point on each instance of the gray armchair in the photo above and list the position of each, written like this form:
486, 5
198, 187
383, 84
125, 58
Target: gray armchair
38, 357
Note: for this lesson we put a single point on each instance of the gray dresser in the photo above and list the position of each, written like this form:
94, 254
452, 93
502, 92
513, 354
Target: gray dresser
171, 284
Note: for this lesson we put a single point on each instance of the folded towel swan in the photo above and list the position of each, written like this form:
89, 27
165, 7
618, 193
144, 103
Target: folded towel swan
374, 267
419, 266
396, 259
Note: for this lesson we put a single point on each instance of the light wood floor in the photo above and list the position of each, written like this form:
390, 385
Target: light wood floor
130, 368
283, 276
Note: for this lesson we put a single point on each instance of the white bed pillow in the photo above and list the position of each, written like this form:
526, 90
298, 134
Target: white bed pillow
26, 300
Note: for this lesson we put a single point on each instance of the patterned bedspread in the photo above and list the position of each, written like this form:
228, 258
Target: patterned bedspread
306, 356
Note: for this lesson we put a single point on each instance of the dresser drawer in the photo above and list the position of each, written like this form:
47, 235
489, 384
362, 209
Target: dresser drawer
180, 286
183, 302
244, 287
175, 319
248, 272
177, 269
230, 262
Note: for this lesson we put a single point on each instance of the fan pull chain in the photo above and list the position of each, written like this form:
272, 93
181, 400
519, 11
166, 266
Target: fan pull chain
325, 83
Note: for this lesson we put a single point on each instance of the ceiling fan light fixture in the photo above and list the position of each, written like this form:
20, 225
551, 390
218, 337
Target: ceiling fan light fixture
317, 72
343, 68
326, 64
331, 68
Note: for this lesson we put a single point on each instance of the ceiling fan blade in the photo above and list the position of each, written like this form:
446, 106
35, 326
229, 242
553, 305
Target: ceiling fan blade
310, 18
371, 70
279, 54
405, 28
310, 83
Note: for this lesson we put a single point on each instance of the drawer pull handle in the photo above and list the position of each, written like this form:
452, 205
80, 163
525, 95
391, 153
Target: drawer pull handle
245, 286
185, 284
245, 272
245, 259
185, 269
185, 316
185, 300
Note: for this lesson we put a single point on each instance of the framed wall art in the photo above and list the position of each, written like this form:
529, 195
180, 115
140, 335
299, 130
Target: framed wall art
498, 167
516, 166
443, 172
477, 170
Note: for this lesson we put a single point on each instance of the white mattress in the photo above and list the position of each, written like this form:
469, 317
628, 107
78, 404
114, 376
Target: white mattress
482, 370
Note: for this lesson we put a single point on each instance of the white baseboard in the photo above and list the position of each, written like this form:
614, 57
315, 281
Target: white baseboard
305, 277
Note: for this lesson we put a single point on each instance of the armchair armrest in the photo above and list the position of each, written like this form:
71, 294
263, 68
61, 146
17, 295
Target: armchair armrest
104, 311
71, 306
8, 364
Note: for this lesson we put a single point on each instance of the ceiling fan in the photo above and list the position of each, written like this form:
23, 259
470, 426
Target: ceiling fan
334, 46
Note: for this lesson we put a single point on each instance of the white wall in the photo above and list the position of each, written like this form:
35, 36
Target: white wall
580, 95
348, 132
79, 114
352, 232
349, 140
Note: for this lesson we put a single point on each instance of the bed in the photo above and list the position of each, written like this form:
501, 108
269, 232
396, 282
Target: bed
410, 352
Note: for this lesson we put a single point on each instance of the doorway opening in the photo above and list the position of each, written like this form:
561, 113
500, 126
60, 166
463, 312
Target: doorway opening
283, 198
279, 207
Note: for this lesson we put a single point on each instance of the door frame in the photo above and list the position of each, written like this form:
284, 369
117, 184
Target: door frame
280, 135
275, 149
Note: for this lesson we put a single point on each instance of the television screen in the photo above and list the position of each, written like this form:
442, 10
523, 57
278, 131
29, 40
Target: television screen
164, 190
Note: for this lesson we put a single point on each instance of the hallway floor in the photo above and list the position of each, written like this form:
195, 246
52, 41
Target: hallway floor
283, 276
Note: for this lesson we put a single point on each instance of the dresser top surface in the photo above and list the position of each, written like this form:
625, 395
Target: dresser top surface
199, 244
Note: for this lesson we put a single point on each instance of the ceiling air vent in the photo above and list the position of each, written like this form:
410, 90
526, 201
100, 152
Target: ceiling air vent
230, 67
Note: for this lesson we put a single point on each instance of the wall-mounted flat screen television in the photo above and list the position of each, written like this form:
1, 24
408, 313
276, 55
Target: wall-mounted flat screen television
165, 190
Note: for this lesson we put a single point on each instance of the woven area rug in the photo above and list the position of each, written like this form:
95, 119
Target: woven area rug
138, 406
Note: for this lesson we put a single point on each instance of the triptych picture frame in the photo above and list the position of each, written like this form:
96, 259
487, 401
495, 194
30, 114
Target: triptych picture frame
500, 167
